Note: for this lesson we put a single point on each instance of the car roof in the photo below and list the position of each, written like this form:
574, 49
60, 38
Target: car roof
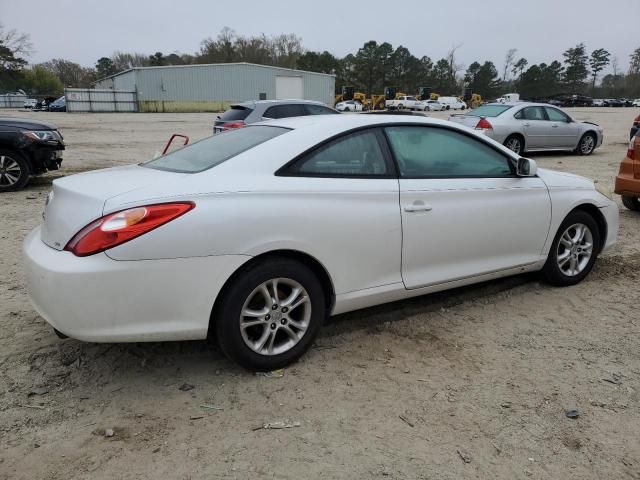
344, 122
255, 103
520, 104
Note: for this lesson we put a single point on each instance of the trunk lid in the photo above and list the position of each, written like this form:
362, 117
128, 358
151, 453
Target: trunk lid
77, 200
465, 119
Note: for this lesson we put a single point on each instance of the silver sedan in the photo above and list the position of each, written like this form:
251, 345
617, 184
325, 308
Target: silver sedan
529, 127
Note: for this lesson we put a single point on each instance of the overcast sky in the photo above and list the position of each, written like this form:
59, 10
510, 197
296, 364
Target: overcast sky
84, 30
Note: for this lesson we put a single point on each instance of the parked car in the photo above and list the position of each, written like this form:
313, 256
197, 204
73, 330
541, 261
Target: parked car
613, 102
636, 102
626, 102
529, 127
298, 219
30, 103
241, 114
349, 106
43, 105
628, 179
432, 105
452, 103
27, 148
634, 127
404, 102
597, 102
59, 105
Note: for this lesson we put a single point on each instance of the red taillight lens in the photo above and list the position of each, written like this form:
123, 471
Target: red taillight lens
120, 227
232, 125
636, 121
484, 124
631, 153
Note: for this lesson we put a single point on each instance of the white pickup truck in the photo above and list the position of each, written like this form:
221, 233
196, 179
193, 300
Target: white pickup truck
405, 103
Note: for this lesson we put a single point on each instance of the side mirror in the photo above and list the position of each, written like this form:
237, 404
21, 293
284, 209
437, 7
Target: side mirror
526, 167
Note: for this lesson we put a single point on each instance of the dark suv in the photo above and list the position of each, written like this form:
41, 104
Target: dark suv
27, 148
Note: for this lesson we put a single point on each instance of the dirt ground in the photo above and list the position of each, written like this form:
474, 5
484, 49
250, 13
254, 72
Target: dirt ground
472, 383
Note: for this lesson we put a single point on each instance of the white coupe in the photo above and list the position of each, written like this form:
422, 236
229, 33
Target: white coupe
254, 236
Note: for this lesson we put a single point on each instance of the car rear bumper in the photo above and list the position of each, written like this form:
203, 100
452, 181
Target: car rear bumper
99, 299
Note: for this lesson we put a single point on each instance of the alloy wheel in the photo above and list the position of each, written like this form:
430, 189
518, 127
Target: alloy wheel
10, 171
575, 249
514, 144
587, 144
275, 316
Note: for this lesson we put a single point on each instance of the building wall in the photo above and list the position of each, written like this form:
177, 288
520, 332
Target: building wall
203, 88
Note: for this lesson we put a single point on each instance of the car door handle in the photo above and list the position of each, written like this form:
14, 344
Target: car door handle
418, 207
554, 125
526, 124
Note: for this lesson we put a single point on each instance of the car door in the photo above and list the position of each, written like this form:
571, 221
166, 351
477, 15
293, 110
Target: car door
534, 126
464, 212
342, 197
564, 131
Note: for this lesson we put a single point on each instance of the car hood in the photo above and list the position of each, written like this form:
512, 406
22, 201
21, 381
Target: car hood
25, 124
555, 179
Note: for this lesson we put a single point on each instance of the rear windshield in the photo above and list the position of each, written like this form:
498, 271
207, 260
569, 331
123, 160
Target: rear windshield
489, 110
214, 150
236, 112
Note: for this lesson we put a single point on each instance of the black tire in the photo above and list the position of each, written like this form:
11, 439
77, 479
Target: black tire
587, 144
551, 272
347, 109
13, 165
632, 203
400, 107
227, 316
511, 141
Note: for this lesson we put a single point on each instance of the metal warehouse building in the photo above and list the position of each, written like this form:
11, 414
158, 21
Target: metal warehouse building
212, 87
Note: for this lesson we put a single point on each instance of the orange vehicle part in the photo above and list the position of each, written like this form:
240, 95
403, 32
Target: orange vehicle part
628, 179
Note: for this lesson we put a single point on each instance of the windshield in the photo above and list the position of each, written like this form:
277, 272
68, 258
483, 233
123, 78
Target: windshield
489, 110
214, 150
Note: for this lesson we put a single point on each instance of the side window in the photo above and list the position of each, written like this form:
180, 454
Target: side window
358, 154
285, 111
556, 115
533, 113
439, 152
319, 110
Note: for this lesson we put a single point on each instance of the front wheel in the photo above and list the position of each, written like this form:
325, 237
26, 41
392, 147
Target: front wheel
632, 203
574, 250
587, 144
14, 171
271, 314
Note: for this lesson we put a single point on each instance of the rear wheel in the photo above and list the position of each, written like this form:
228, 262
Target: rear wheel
514, 143
632, 203
400, 107
574, 250
270, 314
14, 171
587, 144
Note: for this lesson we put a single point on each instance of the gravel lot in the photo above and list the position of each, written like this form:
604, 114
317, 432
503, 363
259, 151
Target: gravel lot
472, 383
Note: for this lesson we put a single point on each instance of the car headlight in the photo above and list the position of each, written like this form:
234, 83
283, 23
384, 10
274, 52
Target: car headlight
43, 135
602, 190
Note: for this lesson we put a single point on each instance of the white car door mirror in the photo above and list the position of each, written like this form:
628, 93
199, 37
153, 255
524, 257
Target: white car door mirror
526, 167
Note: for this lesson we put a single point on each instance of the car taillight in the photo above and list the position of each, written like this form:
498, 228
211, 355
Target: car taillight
636, 121
484, 124
631, 153
232, 125
120, 227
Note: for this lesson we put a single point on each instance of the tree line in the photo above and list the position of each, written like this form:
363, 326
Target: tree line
371, 68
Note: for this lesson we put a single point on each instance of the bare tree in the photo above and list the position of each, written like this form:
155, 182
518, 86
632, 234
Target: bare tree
454, 67
508, 61
18, 43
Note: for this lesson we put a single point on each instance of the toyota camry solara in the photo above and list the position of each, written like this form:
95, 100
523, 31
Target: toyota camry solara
254, 236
